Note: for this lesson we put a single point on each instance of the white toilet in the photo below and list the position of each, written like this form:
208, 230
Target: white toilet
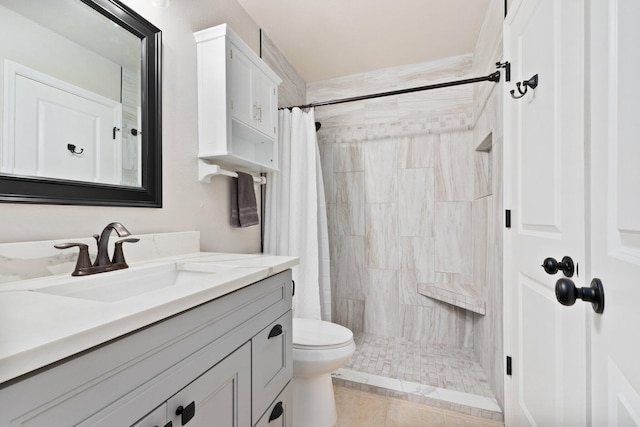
319, 348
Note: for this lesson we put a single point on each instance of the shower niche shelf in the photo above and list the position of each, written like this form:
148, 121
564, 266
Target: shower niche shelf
463, 296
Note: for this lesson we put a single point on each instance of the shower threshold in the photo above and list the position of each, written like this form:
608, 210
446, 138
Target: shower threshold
441, 376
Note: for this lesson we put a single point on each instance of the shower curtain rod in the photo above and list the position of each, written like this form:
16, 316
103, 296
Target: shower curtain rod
493, 77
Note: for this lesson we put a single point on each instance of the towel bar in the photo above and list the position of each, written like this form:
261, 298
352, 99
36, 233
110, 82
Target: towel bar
207, 170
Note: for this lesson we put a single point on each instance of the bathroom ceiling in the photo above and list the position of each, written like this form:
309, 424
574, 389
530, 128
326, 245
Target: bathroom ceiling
324, 39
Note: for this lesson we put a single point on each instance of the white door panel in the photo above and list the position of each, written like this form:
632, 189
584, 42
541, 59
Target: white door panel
615, 211
544, 170
46, 115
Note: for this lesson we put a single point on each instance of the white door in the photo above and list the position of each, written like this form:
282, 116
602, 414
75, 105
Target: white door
615, 211
544, 171
49, 117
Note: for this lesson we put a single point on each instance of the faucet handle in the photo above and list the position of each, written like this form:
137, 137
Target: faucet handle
83, 256
118, 254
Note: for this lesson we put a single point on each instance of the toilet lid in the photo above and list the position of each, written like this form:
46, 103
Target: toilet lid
318, 333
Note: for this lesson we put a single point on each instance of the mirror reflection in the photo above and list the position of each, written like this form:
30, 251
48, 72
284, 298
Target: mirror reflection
70, 92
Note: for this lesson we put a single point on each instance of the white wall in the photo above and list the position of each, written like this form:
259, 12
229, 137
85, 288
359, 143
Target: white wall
187, 204
32, 45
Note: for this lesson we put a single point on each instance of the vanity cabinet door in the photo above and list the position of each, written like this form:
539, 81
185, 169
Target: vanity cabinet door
220, 397
280, 413
272, 366
157, 418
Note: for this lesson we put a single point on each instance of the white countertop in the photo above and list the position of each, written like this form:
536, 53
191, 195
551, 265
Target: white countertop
37, 328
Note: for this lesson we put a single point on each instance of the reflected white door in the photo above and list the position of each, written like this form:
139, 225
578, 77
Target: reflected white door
49, 115
615, 211
544, 170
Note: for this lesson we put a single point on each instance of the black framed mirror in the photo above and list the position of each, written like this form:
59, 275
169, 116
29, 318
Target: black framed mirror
144, 188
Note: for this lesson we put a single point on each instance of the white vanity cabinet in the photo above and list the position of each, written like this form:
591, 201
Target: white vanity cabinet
237, 102
227, 362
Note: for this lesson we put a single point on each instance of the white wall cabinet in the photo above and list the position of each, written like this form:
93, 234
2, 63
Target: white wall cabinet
207, 360
237, 102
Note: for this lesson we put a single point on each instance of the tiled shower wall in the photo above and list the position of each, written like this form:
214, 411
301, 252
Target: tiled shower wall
487, 109
400, 180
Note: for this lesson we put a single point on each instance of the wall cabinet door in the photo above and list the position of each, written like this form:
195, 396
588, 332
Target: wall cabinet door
221, 396
241, 98
264, 99
252, 93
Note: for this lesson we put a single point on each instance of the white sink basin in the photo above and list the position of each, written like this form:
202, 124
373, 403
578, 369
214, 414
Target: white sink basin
122, 284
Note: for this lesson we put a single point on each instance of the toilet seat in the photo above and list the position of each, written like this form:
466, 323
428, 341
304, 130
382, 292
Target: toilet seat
312, 334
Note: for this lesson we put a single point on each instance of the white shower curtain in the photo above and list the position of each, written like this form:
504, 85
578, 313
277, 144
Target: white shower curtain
295, 213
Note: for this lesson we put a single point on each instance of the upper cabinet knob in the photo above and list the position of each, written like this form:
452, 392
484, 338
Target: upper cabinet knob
551, 266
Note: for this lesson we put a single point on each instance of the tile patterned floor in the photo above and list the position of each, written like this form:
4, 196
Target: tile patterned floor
361, 409
436, 365
435, 370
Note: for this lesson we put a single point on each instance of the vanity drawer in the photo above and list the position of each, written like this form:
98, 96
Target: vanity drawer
280, 412
271, 363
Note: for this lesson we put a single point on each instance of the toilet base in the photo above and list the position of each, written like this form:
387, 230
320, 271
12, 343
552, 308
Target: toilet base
314, 404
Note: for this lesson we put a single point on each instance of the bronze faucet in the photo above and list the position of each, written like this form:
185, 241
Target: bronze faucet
103, 242
102, 262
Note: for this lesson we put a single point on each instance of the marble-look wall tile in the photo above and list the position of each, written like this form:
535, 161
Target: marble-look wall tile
340, 115
348, 157
454, 278
349, 211
425, 73
416, 322
337, 88
408, 289
479, 229
454, 172
416, 202
416, 266
418, 254
349, 313
380, 110
381, 160
453, 237
443, 324
381, 242
435, 102
482, 172
487, 104
488, 340
293, 89
381, 311
326, 162
418, 151
348, 272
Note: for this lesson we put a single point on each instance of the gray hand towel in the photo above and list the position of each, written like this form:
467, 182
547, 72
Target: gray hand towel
244, 208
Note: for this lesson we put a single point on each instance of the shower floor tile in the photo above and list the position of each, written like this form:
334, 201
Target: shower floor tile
436, 375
